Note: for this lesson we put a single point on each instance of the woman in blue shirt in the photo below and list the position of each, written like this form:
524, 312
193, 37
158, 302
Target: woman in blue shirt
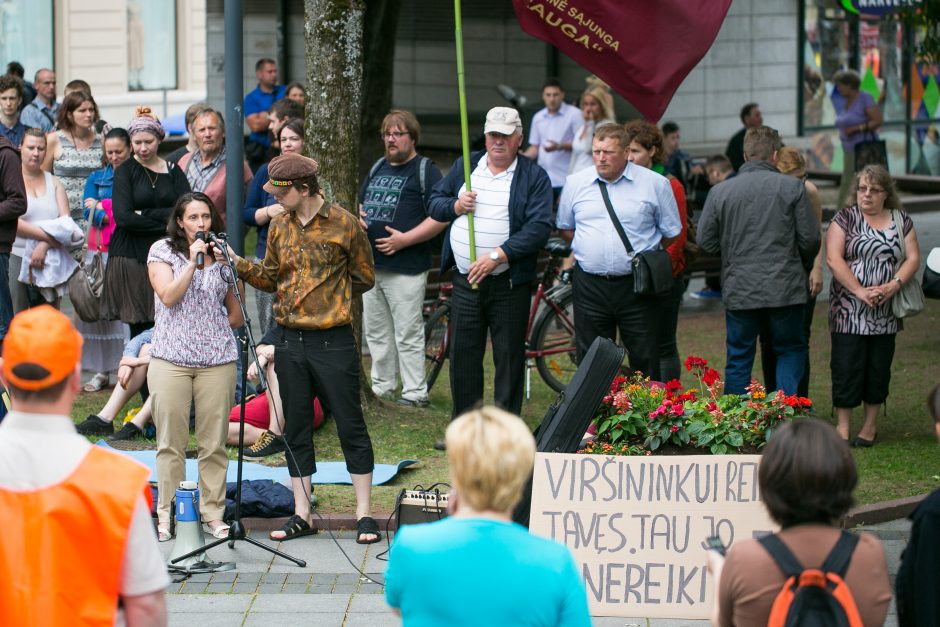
261, 208
104, 340
857, 118
477, 567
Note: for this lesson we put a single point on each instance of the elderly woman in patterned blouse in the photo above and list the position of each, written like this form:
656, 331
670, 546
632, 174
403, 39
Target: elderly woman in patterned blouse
863, 250
193, 357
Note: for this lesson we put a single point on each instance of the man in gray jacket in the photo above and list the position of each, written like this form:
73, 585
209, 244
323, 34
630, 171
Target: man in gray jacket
762, 225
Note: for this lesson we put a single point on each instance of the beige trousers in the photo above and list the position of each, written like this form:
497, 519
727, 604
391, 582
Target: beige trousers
394, 330
173, 390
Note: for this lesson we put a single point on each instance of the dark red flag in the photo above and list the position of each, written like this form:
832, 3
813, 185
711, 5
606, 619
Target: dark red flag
643, 49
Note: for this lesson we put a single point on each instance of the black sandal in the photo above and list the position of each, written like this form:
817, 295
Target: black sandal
294, 527
367, 526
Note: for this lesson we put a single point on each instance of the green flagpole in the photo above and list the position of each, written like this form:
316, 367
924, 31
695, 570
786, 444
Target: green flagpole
464, 130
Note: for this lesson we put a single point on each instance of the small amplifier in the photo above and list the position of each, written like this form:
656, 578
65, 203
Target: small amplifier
421, 506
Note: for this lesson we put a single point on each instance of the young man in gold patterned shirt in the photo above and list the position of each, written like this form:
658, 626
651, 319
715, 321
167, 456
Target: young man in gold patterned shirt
317, 260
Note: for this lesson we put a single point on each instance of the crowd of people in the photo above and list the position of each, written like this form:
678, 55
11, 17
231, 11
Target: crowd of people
73, 187
76, 188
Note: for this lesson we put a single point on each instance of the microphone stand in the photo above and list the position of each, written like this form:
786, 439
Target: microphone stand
237, 529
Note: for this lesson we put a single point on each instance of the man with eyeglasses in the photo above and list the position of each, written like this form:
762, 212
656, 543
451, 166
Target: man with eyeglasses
762, 225
41, 112
393, 207
511, 201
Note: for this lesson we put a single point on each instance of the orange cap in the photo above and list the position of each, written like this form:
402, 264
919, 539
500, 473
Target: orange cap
43, 337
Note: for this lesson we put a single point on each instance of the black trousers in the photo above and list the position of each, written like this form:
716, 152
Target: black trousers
321, 363
670, 303
861, 368
502, 309
603, 306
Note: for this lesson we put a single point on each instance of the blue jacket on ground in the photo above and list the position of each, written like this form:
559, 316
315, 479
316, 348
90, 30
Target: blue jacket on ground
530, 214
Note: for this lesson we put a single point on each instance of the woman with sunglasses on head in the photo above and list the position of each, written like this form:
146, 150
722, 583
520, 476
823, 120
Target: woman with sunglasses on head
863, 249
595, 107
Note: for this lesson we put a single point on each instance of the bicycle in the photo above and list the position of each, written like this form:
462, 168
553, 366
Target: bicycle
550, 345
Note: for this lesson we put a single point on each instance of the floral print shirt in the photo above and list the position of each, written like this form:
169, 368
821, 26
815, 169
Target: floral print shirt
195, 332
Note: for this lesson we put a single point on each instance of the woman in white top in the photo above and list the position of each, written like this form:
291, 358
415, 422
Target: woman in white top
46, 200
596, 109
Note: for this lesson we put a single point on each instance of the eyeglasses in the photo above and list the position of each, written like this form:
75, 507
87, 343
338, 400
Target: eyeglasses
393, 134
862, 189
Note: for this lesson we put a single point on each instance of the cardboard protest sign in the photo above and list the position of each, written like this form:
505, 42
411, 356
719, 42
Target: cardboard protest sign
637, 525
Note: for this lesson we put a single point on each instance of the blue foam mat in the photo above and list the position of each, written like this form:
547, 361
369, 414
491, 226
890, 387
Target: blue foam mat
327, 472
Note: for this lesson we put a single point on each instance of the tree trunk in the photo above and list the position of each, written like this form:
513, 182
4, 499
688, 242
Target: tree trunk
333, 36
381, 25
333, 55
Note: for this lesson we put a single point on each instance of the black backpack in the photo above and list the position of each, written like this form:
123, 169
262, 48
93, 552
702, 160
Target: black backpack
817, 597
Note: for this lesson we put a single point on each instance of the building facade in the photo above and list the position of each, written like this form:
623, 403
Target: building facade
168, 54
132, 52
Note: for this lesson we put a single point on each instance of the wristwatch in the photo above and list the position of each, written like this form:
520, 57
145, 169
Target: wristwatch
494, 255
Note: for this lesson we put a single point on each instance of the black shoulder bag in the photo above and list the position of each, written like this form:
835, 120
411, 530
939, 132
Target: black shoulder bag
871, 151
652, 269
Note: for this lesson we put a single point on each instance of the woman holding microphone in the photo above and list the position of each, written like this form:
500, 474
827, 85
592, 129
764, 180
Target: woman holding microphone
193, 356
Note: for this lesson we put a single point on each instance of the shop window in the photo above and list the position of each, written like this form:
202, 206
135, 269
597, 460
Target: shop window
925, 116
909, 97
26, 34
151, 44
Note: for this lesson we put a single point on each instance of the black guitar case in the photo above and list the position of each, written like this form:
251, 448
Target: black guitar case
569, 416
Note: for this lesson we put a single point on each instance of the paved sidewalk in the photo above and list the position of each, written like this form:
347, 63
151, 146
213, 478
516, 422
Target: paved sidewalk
268, 590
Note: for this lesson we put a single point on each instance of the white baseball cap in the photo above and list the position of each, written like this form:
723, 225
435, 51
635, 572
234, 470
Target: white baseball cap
503, 120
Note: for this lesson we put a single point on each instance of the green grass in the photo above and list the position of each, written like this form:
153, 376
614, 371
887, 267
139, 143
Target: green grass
905, 461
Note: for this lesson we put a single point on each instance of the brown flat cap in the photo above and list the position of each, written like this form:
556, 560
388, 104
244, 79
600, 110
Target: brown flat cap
285, 169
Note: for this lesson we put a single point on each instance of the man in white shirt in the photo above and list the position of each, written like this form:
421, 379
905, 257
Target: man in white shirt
552, 132
511, 201
78, 536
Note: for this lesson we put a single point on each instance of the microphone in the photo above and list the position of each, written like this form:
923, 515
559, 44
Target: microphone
200, 257
220, 240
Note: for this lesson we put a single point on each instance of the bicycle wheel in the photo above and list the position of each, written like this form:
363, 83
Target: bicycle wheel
553, 343
436, 347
